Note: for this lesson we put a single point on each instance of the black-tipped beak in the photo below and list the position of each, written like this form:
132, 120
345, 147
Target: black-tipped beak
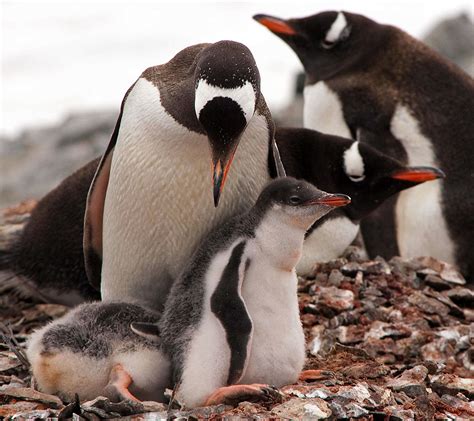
276, 25
418, 174
220, 169
333, 200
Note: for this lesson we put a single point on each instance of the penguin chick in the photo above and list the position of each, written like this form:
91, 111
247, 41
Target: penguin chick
92, 351
336, 164
409, 102
231, 323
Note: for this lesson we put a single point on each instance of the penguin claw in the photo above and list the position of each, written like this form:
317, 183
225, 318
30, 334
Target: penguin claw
232, 395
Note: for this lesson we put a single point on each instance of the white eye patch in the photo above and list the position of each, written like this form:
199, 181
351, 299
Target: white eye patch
337, 29
353, 163
242, 95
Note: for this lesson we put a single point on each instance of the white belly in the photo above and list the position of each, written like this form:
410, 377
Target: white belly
207, 361
159, 202
327, 242
323, 111
421, 227
277, 352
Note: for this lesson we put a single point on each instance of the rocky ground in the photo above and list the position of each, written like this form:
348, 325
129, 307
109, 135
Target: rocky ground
385, 341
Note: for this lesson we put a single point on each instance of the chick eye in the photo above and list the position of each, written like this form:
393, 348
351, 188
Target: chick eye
356, 178
294, 200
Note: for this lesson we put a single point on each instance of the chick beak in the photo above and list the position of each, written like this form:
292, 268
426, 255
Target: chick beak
276, 25
418, 174
333, 200
220, 169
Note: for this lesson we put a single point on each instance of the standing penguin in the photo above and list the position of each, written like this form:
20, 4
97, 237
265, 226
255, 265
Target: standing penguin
403, 98
222, 319
152, 197
93, 352
336, 164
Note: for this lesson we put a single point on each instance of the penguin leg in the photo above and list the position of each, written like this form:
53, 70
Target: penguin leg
119, 382
314, 375
234, 394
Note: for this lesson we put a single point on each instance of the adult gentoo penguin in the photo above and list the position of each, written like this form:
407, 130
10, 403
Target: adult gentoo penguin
92, 351
153, 196
231, 321
405, 99
336, 164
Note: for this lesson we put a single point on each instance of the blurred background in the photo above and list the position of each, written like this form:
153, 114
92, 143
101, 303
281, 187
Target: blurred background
66, 66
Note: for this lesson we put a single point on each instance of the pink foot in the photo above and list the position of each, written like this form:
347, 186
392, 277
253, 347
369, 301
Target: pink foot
234, 394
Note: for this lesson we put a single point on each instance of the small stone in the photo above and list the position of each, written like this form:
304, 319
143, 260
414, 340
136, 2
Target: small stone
350, 334
445, 270
410, 381
379, 330
335, 278
428, 305
435, 282
461, 296
452, 384
351, 269
27, 394
343, 407
335, 298
8, 361
297, 408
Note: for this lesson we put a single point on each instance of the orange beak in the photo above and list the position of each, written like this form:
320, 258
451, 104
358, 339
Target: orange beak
279, 26
418, 174
333, 200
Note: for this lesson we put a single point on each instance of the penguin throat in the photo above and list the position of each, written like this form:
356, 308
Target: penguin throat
280, 241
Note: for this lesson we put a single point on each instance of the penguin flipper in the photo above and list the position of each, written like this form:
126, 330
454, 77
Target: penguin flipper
94, 214
147, 330
229, 307
93, 219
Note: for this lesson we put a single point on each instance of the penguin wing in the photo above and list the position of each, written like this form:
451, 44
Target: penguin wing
93, 218
229, 307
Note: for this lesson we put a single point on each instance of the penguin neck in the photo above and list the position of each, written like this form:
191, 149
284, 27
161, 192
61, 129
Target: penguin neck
280, 240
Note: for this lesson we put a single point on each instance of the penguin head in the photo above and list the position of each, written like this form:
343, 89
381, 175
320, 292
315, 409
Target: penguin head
326, 43
227, 89
370, 177
298, 202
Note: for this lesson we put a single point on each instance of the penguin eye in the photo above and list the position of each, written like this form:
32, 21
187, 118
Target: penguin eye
295, 200
356, 178
327, 45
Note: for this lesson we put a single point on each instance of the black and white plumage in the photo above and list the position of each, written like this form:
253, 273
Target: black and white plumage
152, 197
91, 349
409, 102
336, 164
232, 317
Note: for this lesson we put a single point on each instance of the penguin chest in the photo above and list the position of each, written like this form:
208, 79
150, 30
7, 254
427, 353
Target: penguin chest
277, 350
159, 203
323, 110
326, 242
421, 226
